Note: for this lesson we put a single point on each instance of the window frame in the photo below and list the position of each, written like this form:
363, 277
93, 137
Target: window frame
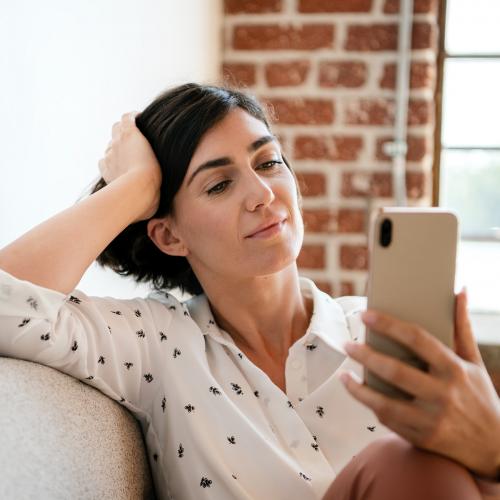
442, 57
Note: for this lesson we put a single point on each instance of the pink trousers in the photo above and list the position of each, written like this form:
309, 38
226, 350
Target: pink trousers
393, 469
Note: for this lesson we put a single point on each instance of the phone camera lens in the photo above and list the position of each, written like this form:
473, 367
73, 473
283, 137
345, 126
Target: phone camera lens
386, 232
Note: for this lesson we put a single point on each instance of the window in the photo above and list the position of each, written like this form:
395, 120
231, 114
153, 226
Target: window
468, 146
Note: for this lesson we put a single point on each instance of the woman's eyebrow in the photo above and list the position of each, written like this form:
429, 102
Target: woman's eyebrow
225, 160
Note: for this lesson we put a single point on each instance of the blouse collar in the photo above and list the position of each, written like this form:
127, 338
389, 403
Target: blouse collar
328, 321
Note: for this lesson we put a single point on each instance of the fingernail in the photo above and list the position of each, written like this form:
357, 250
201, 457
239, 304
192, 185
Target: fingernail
369, 317
344, 377
350, 347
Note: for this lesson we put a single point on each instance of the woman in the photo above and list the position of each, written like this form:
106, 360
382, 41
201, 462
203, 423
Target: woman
239, 390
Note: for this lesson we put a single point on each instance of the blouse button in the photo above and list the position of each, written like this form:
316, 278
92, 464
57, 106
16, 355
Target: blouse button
296, 364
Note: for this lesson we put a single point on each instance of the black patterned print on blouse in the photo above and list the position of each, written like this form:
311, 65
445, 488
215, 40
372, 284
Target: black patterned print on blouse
109, 329
177, 352
118, 313
148, 377
162, 336
122, 400
163, 403
32, 302
46, 336
240, 355
137, 313
237, 389
233, 476
371, 428
320, 411
90, 377
172, 308
303, 476
231, 439
311, 347
315, 446
75, 300
140, 334
74, 347
205, 482
128, 364
24, 322
290, 404
256, 394
214, 390
180, 451
189, 408
101, 360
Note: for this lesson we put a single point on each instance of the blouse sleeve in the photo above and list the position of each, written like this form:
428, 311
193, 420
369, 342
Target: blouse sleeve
105, 342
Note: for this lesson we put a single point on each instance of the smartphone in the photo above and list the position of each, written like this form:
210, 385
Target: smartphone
411, 276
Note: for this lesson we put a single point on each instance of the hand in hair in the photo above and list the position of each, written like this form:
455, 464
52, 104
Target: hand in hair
129, 151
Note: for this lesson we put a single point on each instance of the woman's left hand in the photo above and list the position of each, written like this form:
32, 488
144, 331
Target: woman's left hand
455, 411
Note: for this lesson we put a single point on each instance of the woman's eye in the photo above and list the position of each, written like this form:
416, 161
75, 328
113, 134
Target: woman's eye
270, 164
218, 188
221, 186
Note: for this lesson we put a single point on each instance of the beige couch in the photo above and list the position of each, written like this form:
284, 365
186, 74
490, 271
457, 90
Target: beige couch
62, 439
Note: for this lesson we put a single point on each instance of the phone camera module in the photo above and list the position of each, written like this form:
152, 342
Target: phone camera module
386, 232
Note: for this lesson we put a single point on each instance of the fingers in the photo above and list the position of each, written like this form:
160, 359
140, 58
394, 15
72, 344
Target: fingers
412, 336
465, 343
397, 415
398, 373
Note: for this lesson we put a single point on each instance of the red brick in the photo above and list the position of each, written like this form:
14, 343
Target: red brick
346, 288
312, 257
419, 6
321, 220
380, 185
287, 74
239, 74
351, 221
379, 37
283, 37
311, 184
415, 185
422, 75
354, 257
350, 189
335, 5
252, 6
324, 286
420, 112
334, 148
297, 111
349, 74
424, 36
370, 112
418, 147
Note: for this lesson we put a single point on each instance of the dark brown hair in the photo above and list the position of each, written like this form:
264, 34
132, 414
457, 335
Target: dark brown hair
174, 124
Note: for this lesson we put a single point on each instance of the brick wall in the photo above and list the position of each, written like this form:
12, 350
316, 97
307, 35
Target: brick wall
327, 68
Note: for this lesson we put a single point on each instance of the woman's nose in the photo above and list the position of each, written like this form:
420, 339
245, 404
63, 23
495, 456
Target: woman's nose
258, 192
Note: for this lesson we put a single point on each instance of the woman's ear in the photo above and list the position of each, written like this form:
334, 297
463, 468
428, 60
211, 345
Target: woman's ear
163, 234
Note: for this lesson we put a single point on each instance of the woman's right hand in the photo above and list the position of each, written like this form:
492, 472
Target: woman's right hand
129, 151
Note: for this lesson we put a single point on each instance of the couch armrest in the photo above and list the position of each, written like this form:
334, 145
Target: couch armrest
60, 438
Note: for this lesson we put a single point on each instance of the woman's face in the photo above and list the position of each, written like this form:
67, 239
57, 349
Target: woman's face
236, 184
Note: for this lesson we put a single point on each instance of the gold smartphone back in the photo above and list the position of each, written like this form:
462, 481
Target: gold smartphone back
412, 277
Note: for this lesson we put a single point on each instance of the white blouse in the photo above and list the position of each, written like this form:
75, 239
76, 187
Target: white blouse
215, 425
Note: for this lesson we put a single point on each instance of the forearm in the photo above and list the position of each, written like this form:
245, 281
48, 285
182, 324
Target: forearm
56, 253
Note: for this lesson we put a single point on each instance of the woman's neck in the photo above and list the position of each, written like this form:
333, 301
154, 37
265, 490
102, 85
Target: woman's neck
264, 315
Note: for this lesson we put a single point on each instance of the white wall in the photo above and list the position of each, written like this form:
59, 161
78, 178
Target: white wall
69, 70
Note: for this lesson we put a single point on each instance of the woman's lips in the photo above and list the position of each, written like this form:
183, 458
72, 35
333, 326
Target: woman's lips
269, 231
